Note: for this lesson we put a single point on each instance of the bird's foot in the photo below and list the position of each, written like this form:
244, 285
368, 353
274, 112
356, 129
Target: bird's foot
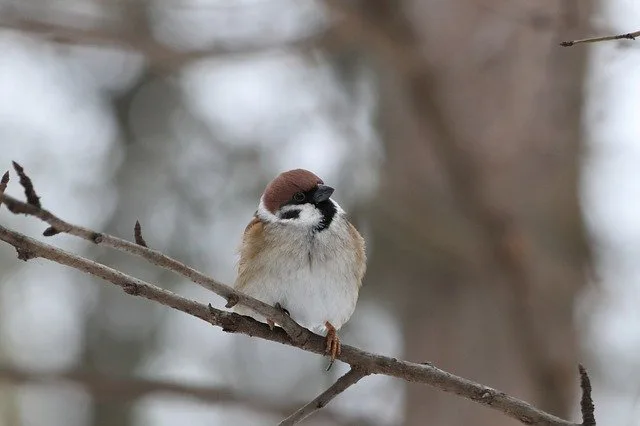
332, 342
278, 306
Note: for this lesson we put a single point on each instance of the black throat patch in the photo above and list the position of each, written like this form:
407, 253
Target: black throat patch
328, 211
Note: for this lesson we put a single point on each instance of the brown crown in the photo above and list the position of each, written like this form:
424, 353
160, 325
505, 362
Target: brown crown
282, 188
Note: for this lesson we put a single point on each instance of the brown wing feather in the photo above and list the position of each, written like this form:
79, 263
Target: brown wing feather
361, 255
252, 243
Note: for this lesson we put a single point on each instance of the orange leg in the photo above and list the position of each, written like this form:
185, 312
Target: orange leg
332, 343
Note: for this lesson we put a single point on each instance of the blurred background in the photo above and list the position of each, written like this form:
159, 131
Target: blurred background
491, 172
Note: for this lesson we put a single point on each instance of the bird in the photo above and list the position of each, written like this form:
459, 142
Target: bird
301, 254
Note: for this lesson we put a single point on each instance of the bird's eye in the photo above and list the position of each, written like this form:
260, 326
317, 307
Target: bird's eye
298, 196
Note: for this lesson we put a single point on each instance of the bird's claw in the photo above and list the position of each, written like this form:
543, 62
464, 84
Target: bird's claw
333, 346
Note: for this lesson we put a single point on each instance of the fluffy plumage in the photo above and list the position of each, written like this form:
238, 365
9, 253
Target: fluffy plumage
302, 253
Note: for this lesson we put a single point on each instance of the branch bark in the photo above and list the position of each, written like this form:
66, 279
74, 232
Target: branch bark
363, 362
626, 36
155, 257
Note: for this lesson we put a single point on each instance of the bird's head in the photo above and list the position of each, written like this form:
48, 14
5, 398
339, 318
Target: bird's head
299, 198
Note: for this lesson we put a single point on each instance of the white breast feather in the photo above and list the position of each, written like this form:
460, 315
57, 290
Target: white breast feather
311, 274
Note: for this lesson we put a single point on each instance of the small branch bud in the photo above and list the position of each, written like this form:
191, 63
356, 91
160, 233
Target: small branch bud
50, 231
3, 185
25, 181
137, 233
24, 254
4, 181
586, 402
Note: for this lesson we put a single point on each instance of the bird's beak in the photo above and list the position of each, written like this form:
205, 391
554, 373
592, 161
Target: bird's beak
322, 193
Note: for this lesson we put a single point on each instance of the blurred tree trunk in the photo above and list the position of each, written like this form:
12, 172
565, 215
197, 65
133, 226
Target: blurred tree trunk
477, 234
109, 350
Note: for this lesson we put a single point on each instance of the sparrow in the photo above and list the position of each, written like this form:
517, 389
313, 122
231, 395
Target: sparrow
301, 254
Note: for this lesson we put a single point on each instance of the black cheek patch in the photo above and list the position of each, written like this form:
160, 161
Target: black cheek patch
290, 214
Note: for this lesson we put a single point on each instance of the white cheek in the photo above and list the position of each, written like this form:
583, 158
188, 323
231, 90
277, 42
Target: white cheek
309, 216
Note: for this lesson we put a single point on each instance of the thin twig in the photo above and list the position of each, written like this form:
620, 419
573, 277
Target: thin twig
155, 257
234, 323
350, 378
627, 36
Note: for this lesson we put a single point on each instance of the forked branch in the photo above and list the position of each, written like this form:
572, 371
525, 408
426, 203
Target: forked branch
155, 257
349, 379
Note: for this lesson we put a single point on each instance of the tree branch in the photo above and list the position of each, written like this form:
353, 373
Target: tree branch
350, 378
362, 361
627, 36
233, 297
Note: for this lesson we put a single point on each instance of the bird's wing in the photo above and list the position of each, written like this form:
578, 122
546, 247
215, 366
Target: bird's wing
361, 254
252, 243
